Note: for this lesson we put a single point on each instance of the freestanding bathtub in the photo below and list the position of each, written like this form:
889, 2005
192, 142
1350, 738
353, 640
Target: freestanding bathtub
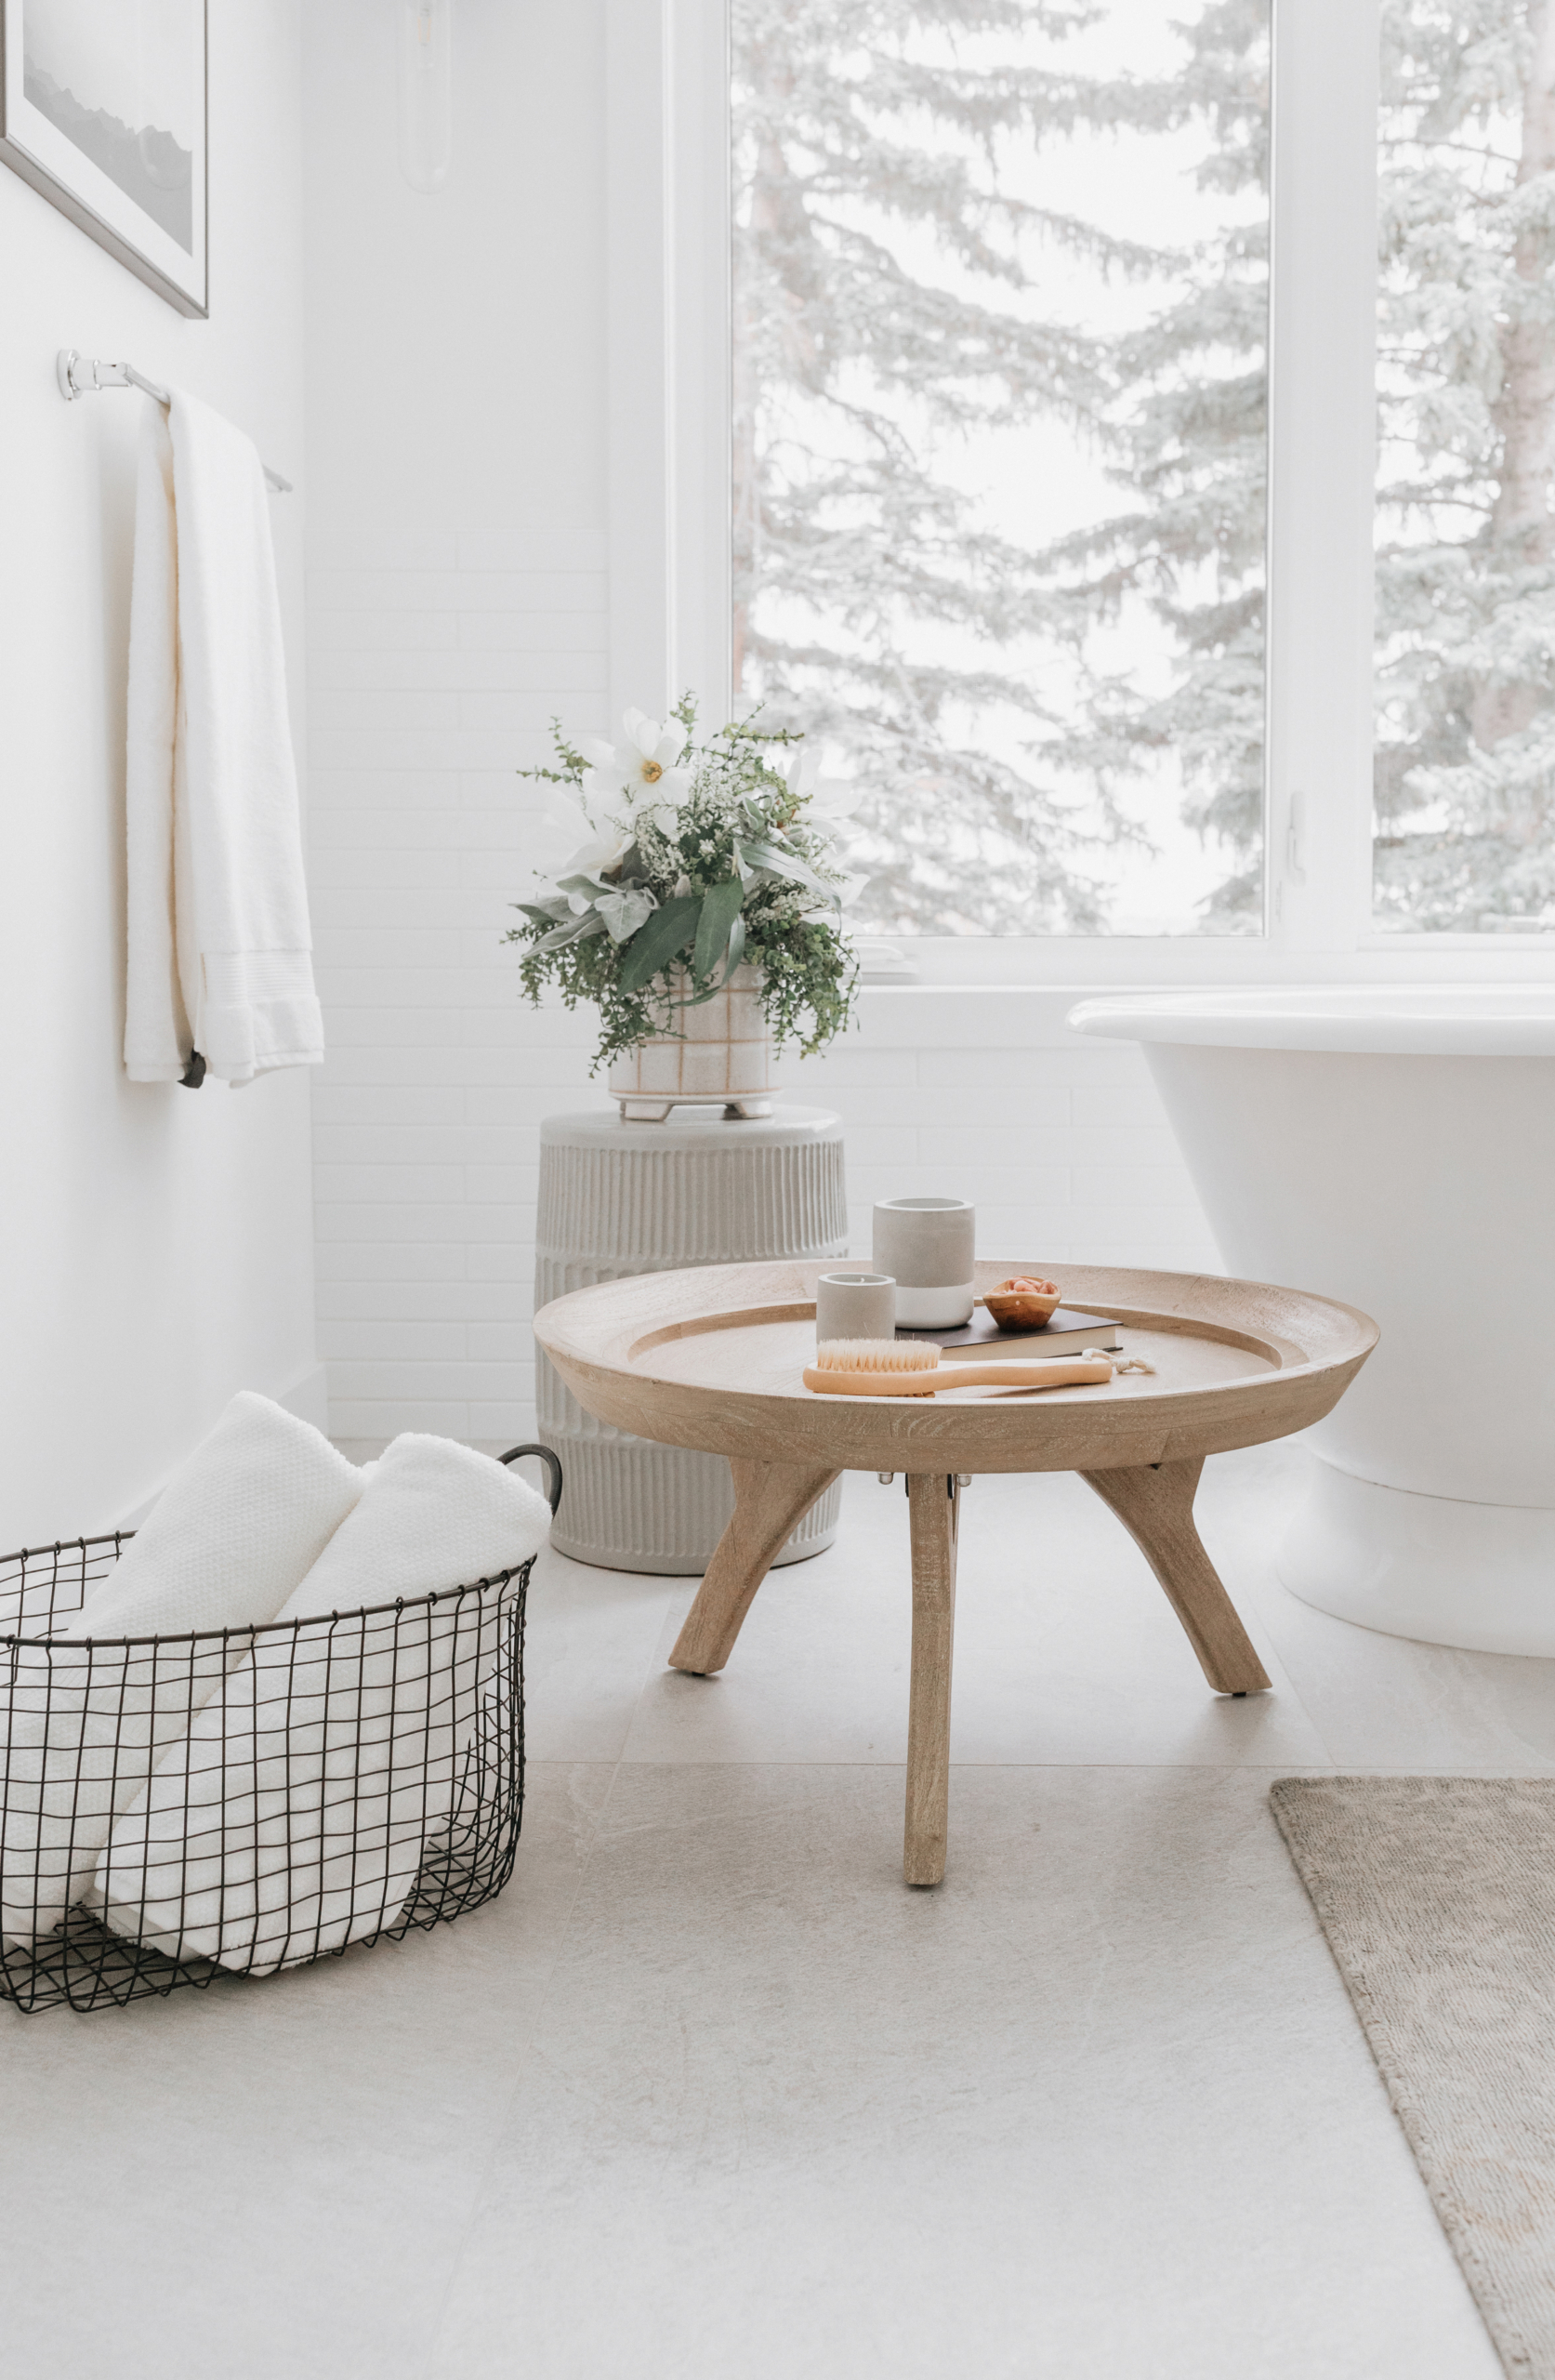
1393, 1146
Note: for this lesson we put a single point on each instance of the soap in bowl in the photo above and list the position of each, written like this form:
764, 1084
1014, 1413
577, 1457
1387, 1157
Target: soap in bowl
1022, 1303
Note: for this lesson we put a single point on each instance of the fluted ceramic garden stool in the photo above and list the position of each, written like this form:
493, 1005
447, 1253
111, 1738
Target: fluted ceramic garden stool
618, 1200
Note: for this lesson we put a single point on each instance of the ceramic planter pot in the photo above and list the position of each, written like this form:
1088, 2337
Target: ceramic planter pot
720, 1056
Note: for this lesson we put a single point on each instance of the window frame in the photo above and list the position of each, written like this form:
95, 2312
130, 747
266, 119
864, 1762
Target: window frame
668, 268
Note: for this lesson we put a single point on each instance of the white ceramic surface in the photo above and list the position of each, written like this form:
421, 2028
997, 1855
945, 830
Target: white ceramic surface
1376, 1020
1407, 1170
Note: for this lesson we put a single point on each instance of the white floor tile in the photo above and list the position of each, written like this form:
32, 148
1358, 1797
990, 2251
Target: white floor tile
275, 2179
709, 2093
1097, 2108
1066, 1649
591, 1642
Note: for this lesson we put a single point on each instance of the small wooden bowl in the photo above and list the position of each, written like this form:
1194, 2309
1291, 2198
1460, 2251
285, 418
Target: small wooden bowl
1023, 1309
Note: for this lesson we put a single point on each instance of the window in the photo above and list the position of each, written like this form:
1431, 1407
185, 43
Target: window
999, 486
974, 351
1466, 535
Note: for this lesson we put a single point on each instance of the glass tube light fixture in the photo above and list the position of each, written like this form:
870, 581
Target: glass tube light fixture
426, 91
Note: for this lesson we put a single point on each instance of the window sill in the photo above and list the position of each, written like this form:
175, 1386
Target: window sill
1009, 965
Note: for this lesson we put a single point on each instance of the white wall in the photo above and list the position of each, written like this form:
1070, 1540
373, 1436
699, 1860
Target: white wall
984, 1093
456, 600
458, 597
157, 1249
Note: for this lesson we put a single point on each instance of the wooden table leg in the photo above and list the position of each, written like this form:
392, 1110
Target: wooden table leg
771, 1500
934, 1505
1155, 1504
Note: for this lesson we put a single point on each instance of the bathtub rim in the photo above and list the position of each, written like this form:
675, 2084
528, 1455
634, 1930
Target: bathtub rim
1353, 1020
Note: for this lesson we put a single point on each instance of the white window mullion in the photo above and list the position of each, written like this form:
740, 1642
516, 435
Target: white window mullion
1321, 472
640, 295
701, 598
667, 240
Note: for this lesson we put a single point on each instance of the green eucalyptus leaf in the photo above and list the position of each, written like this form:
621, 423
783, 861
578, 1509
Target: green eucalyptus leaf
549, 913
780, 863
736, 947
719, 910
575, 929
665, 936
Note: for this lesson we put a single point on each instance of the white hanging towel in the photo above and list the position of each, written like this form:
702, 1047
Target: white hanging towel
294, 1818
219, 947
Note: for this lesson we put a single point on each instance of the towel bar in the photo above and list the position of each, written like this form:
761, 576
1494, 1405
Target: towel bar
79, 376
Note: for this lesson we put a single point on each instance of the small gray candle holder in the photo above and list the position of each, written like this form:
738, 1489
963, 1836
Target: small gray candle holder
854, 1305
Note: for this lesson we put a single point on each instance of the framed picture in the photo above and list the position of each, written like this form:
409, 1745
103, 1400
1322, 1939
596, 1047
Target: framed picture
102, 109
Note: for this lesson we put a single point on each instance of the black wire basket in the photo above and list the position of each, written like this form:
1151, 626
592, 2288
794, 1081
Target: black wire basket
177, 1809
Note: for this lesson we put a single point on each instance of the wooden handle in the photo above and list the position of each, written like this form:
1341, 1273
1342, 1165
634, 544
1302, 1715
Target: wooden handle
1057, 1372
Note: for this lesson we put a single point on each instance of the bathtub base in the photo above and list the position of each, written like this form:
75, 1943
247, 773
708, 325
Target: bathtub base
1477, 1576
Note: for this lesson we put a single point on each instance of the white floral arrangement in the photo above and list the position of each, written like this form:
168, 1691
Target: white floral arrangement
684, 861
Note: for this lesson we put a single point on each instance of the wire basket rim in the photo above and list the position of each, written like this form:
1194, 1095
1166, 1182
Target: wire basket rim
245, 1629
119, 1538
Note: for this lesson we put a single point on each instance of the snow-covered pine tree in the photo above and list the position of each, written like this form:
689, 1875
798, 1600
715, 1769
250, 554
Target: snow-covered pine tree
886, 302
1466, 577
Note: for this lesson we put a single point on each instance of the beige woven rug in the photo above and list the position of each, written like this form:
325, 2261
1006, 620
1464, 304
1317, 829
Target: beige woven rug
1437, 1895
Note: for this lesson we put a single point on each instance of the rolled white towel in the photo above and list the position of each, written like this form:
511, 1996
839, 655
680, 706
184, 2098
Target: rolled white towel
295, 1817
83, 1723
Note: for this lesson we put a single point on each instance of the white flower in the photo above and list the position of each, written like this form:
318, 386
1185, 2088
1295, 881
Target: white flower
830, 798
561, 828
638, 779
623, 912
802, 772
599, 857
601, 848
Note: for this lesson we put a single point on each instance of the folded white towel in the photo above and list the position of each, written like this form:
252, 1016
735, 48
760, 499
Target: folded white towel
219, 942
295, 1817
83, 1723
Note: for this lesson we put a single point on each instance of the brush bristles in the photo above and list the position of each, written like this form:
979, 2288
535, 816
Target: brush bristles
875, 1356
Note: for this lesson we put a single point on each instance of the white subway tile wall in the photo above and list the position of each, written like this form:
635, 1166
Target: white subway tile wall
435, 665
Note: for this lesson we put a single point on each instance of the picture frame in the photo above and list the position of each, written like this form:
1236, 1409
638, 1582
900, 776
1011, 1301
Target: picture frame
104, 112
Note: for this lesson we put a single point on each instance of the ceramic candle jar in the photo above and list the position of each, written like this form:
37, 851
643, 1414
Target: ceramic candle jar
927, 1245
854, 1305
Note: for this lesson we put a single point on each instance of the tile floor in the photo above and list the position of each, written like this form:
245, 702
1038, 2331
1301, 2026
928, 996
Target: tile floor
709, 2093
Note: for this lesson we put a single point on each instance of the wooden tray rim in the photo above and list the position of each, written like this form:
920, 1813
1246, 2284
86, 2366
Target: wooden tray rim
1278, 1353
612, 1344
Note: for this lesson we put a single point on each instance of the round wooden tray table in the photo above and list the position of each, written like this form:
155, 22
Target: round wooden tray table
713, 1359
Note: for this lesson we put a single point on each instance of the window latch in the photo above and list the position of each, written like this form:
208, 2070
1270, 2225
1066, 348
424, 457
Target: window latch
1295, 839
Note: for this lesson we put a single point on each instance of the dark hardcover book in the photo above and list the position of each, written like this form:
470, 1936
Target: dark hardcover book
1065, 1334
